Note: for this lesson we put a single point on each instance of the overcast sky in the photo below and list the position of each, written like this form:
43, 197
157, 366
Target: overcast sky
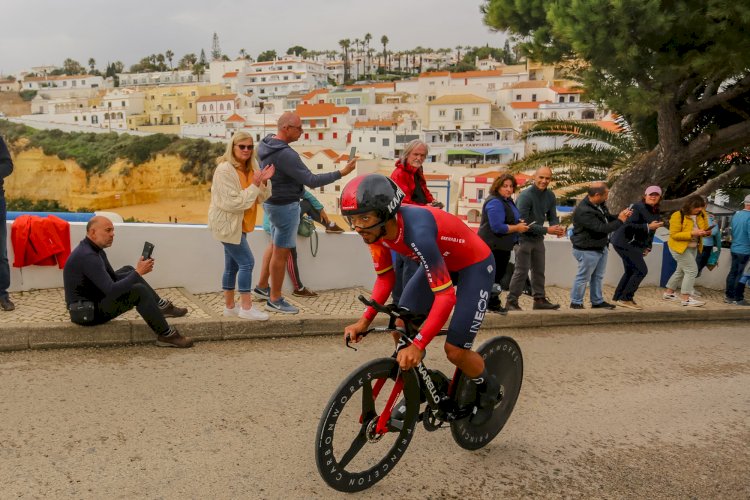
39, 32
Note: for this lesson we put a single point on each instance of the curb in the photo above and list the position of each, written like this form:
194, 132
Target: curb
54, 335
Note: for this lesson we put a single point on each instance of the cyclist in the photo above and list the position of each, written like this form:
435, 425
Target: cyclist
449, 253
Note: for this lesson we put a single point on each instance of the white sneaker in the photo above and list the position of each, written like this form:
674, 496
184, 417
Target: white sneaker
691, 302
253, 314
231, 312
670, 296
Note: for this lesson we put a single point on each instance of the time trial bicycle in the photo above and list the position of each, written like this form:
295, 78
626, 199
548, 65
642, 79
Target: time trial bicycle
363, 432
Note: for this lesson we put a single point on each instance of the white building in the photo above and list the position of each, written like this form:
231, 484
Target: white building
462, 111
65, 82
325, 125
174, 77
282, 77
215, 108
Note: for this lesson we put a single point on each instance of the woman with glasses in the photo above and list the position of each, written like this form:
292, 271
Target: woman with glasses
632, 242
238, 186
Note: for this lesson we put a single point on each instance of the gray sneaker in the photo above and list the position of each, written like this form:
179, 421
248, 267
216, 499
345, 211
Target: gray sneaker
281, 306
742, 302
262, 293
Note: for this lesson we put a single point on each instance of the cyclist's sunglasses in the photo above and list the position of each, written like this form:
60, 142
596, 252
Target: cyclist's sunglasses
362, 228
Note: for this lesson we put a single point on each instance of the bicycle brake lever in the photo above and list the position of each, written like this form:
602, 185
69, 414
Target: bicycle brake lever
348, 339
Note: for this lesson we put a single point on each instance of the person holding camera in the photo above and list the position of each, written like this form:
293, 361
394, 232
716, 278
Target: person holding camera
95, 293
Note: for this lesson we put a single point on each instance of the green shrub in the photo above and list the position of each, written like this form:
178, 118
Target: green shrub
27, 205
27, 95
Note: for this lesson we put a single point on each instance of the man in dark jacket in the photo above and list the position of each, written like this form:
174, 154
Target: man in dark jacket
283, 209
6, 167
95, 293
592, 224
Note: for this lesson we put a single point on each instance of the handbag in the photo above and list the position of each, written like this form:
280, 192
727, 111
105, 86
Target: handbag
306, 226
82, 312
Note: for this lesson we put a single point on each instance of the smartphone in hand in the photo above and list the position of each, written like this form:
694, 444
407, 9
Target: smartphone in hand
148, 249
352, 153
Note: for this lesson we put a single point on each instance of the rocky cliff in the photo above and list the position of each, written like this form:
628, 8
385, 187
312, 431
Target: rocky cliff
38, 176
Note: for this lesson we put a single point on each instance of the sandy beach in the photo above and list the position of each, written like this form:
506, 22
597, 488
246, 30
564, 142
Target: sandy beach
183, 211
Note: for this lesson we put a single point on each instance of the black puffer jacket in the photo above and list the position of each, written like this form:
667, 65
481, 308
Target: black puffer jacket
592, 225
635, 231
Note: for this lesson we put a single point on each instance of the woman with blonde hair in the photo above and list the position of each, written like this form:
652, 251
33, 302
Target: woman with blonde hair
238, 186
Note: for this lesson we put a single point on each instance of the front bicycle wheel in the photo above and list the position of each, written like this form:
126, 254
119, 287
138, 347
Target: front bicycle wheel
503, 359
351, 452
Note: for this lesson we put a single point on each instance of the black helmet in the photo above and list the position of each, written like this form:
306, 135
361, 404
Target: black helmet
371, 193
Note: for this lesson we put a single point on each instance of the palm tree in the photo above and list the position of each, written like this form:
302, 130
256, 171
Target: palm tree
368, 59
384, 40
458, 53
587, 152
345, 44
169, 55
92, 64
243, 54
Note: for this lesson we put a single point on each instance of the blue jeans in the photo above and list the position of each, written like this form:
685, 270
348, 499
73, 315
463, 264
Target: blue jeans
238, 266
591, 267
4, 267
734, 289
284, 222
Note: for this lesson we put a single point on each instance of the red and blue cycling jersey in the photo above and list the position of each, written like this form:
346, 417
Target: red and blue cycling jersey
442, 244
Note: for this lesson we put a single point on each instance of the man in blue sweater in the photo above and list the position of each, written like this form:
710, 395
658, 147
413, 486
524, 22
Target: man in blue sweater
735, 290
283, 207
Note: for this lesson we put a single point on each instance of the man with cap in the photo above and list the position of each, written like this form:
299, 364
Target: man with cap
735, 290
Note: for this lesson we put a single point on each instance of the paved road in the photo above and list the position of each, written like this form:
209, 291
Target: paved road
621, 413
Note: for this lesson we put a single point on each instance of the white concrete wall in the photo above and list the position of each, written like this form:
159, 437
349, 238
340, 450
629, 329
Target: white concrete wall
187, 256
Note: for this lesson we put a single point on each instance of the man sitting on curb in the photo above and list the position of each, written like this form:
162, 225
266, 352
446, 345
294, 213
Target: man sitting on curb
95, 293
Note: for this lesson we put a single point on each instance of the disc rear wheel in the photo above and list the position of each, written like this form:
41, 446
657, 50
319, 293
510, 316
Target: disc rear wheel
503, 359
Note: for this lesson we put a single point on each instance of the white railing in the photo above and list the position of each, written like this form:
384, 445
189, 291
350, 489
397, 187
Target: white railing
187, 256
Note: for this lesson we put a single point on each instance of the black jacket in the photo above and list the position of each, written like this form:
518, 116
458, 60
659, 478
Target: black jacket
635, 231
592, 225
89, 276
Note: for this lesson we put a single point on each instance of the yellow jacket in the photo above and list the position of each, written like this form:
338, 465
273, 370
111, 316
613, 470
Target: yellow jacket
680, 228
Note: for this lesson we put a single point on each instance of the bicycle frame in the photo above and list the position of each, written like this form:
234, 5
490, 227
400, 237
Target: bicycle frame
439, 402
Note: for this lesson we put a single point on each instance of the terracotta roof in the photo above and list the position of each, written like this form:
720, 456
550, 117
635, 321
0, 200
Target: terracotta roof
382, 85
434, 74
210, 98
313, 93
375, 123
235, 118
528, 105
530, 84
308, 154
321, 109
330, 153
436, 177
231, 74
609, 126
460, 99
490, 176
477, 74
565, 90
